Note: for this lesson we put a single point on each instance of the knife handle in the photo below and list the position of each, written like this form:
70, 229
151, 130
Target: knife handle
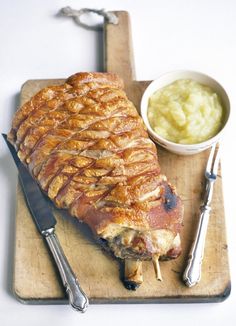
192, 273
77, 297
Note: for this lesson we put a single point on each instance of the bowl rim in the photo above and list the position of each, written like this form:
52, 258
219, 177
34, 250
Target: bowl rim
144, 107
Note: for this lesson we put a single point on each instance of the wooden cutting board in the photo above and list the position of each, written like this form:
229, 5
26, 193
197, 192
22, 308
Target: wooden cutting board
36, 279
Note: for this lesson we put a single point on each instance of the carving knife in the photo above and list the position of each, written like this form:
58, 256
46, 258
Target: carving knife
40, 208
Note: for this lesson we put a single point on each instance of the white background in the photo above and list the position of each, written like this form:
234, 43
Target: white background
167, 35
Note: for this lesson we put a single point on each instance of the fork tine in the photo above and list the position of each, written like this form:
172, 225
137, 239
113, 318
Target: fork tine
216, 161
210, 160
213, 161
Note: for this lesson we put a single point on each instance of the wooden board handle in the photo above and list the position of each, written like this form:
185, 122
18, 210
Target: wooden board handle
118, 47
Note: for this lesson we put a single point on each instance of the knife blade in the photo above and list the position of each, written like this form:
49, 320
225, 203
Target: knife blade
40, 209
37, 202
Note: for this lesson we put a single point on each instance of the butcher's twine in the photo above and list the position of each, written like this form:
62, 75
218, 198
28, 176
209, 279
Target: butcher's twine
109, 17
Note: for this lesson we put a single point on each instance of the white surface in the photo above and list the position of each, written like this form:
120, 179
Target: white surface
167, 35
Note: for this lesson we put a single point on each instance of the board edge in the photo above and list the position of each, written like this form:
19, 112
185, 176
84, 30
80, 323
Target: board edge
221, 297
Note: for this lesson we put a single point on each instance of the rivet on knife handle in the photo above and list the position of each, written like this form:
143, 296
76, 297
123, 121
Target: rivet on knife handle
77, 297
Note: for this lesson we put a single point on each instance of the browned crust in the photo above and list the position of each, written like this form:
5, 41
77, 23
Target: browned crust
87, 147
98, 77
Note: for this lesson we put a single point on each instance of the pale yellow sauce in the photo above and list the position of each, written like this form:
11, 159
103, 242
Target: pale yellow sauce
185, 112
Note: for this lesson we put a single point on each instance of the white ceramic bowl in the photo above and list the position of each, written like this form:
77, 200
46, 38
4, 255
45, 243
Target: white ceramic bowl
164, 80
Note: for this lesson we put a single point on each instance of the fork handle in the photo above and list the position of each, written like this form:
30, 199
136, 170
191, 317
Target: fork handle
192, 273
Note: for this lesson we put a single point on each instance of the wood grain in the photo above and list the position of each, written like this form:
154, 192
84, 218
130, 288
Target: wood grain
36, 279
